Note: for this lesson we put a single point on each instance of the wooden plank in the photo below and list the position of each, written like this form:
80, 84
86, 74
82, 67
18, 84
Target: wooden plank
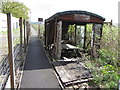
75, 86
68, 46
78, 81
72, 73
63, 74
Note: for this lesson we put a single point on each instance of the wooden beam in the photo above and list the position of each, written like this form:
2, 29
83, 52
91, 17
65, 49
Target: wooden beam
92, 40
93, 31
75, 34
58, 40
55, 36
101, 30
84, 37
10, 50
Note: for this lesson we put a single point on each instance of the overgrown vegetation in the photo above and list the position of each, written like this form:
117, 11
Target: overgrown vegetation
106, 68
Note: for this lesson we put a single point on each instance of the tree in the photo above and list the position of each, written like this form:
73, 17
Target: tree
18, 10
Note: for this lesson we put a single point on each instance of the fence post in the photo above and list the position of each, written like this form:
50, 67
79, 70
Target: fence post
27, 33
10, 50
38, 30
21, 36
24, 22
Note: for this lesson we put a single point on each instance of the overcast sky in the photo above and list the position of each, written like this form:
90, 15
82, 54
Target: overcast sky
46, 8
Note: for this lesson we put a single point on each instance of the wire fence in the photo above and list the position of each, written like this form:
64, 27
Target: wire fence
18, 58
4, 65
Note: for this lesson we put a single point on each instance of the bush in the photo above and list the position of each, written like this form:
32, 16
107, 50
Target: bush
106, 68
106, 77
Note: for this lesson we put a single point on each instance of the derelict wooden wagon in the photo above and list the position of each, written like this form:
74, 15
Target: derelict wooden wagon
72, 30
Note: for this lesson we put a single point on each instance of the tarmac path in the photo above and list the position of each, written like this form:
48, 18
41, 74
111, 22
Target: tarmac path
38, 72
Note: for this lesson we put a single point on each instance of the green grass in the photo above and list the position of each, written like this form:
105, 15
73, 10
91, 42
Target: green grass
3, 32
16, 33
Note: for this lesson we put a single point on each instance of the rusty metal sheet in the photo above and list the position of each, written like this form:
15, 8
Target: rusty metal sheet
82, 17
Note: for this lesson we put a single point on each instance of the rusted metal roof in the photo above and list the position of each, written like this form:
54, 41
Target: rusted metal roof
75, 12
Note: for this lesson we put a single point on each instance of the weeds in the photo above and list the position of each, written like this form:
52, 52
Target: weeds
105, 69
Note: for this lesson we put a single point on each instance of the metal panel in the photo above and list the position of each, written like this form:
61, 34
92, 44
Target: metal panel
82, 17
